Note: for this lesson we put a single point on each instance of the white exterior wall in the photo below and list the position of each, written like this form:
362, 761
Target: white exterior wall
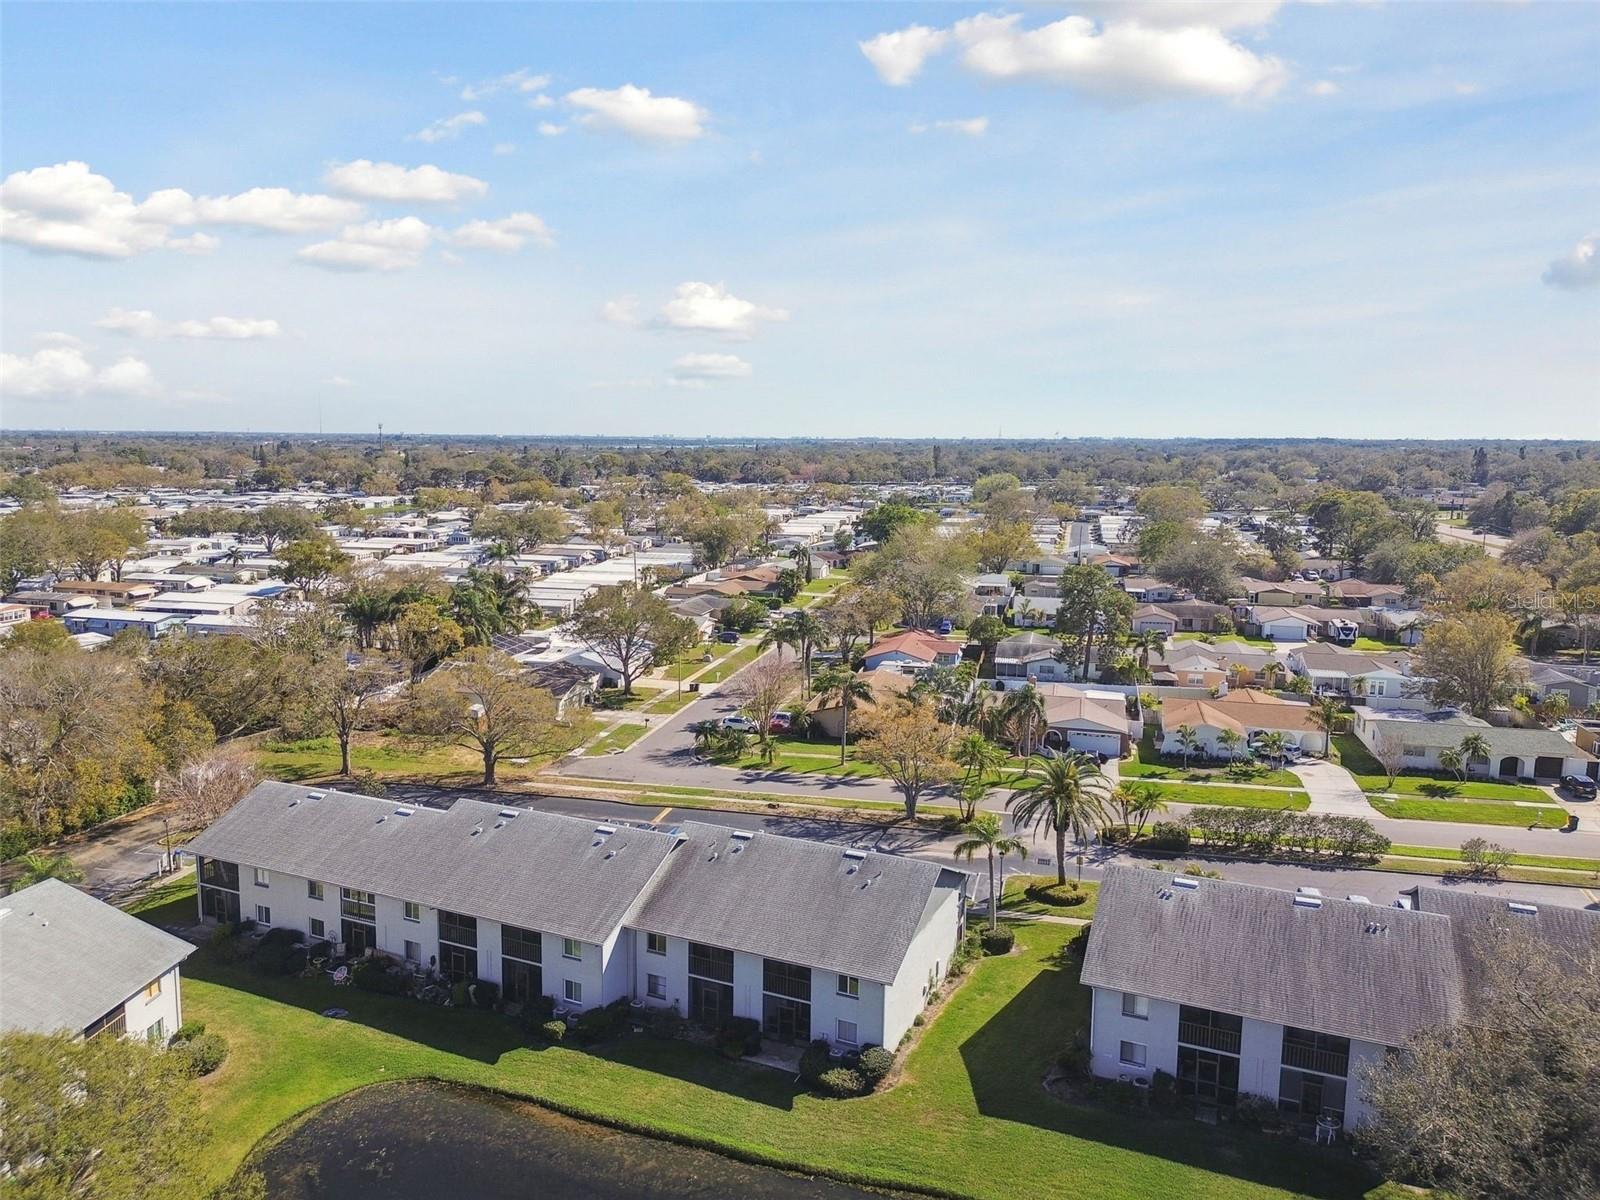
141, 1014
929, 952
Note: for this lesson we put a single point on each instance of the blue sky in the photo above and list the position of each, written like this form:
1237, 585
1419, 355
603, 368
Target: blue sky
1096, 219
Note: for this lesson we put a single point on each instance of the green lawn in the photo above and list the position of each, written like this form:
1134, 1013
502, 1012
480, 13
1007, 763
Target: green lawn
741, 658
968, 1115
1371, 777
1233, 797
397, 757
1017, 900
671, 702
692, 662
1146, 764
1374, 646
616, 698
1552, 861
1267, 643
618, 737
1469, 812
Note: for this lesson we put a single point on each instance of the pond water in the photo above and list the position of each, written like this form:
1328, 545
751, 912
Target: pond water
418, 1141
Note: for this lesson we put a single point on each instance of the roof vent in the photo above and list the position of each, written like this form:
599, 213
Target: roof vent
476, 830
605, 830
1357, 898
315, 795
1376, 927
1166, 894
294, 801
382, 819
508, 814
1187, 883
1301, 901
1522, 908
742, 835
1308, 891
404, 812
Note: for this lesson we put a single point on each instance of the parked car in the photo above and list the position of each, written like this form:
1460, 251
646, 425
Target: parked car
1579, 786
946, 626
728, 636
739, 722
780, 723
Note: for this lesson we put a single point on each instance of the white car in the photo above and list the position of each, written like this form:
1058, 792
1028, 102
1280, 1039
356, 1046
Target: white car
741, 723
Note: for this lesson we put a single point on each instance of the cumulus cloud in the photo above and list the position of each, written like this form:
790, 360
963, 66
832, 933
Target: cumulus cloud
505, 234
1578, 268
69, 209
623, 311
447, 129
634, 111
65, 372
1132, 54
898, 57
520, 80
391, 245
696, 370
551, 129
970, 127
145, 324
711, 308
426, 184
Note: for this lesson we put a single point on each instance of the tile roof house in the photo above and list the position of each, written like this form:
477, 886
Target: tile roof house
912, 649
810, 939
77, 964
1359, 593
1514, 753
886, 685
1236, 989
1243, 712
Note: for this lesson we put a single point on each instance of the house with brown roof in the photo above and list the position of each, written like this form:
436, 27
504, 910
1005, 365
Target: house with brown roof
1244, 712
1359, 593
913, 650
887, 685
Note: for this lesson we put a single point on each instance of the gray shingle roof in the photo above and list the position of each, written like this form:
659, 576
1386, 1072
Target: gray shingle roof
1253, 951
538, 870
800, 901
69, 958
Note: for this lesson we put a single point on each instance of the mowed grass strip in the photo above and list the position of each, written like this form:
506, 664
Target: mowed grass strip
968, 1117
1229, 795
1371, 777
1470, 812
619, 737
409, 758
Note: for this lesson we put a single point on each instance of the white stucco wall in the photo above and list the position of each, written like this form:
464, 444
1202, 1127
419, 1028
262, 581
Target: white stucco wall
140, 1013
927, 958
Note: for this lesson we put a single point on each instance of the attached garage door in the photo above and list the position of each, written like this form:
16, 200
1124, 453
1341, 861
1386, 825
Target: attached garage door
1545, 767
1095, 742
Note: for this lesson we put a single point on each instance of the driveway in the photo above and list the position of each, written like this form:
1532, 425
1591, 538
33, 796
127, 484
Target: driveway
1332, 789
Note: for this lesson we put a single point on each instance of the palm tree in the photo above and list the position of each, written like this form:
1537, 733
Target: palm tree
981, 758
1450, 758
985, 832
1239, 675
1472, 747
235, 555
842, 684
802, 633
497, 553
1272, 675
37, 866
1230, 740
1327, 714
802, 555
1144, 642
1068, 799
366, 609
1147, 804
1188, 741
1024, 716
1273, 743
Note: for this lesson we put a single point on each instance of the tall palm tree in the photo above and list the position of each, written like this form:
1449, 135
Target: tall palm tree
37, 866
1230, 740
986, 832
1472, 747
1327, 714
1145, 642
802, 556
1024, 716
849, 689
1188, 741
1239, 675
1069, 799
1147, 804
980, 758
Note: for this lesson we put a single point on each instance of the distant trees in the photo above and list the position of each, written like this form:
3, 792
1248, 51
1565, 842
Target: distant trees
1204, 564
927, 573
882, 521
87, 542
630, 629
310, 561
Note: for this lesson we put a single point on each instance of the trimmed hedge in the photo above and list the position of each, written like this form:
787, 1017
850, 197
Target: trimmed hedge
874, 1066
998, 941
840, 1083
1061, 895
202, 1054
552, 1031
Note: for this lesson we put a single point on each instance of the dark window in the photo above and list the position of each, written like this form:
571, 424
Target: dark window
710, 1003
1308, 1050
453, 927
216, 873
457, 962
1213, 1030
710, 962
358, 937
526, 944
1207, 1075
786, 1019
655, 943
363, 906
786, 979
221, 904
317, 928
520, 981
1308, 1096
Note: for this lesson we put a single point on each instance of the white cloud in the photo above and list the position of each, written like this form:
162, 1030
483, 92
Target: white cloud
447, 129
520, 80
391, 245
970, 127
68, 209
1324, 87
1468, 89
388, 181
505, 148
696, 370
505, 234
710, 308
541, 101
65, 372
551, 129
1172, 50
634, 111
1578, 268
898, 57
145, 324
54, 337
623, 311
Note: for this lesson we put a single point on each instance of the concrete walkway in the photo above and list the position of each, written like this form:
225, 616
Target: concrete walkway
1332, 789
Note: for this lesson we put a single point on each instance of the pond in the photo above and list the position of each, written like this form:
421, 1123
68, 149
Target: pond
421, 1141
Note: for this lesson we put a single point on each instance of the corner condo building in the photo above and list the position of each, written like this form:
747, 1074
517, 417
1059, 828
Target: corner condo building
812, 940
1236, 990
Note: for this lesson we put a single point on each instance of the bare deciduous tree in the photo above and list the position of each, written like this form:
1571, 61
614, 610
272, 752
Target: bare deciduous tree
206, 787
485, 702
761, 688
1390, 752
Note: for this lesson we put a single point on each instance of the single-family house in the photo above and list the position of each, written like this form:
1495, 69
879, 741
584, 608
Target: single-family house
107, 591
810, 939
112, 621
1401, 625
1031, 656
1286, 593
1282, 624
886, 685
1359, 593
1147, 590
1244, 712
12, 615
1546, 679
1379, 678
75, 964
1118, 566
912, 650
1239, 990
53, 604
1514, 753
1152, 618
1092, 720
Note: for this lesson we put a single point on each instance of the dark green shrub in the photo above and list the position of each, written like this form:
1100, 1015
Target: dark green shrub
202, 1054
666, 1023
223, 944
840, 1083
279, 954
745, 1032
814, 1060
485, 993
999, 940
552, 1032
187, 1032
1074, 1060
373, 975
1059, 895
1169, 835
1164, 1090
598, 1024
536, 1010
874, 1066
1256, 1112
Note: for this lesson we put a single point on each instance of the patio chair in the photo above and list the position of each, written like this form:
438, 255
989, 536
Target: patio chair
341, 977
